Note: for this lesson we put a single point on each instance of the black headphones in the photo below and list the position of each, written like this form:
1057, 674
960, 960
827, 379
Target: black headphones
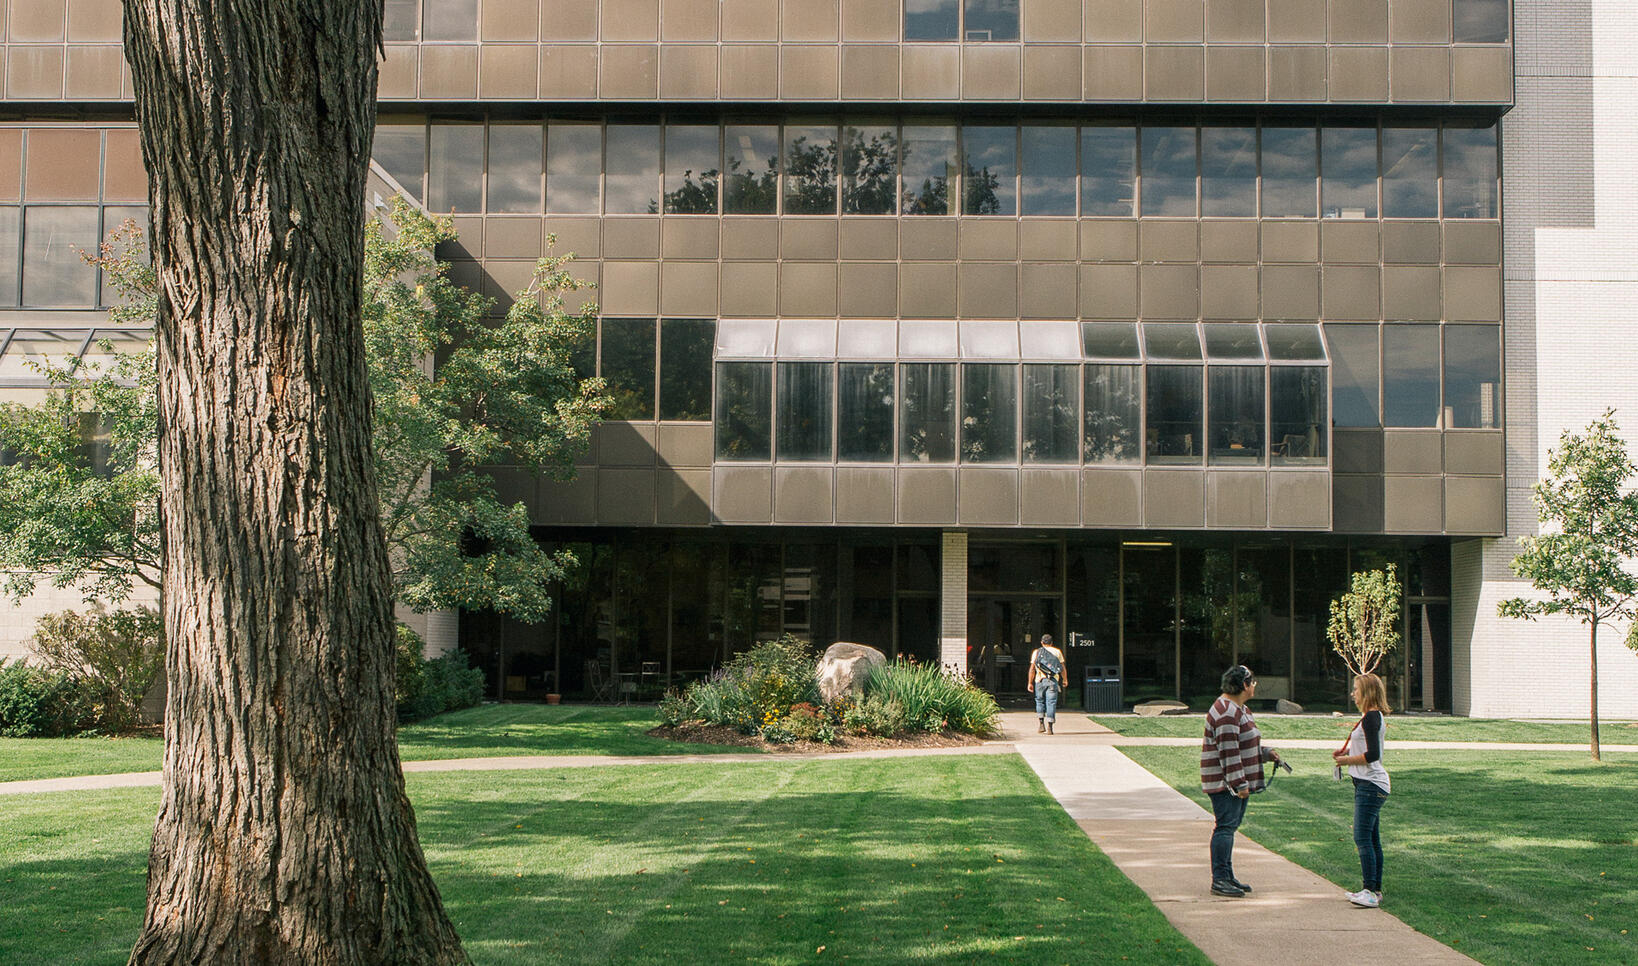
1236, 678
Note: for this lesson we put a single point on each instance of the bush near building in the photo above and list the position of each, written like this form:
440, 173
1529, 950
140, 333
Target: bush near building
429, 687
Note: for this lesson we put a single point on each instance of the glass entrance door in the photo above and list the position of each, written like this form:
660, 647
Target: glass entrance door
1149, 622
1001, 633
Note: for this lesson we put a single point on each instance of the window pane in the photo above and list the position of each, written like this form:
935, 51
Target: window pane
1113, 413
929, 166
402, 150
1470, 172
1290, 158
113, 217
628, 367
1051, 404
864, 419
1236, 414
804, 411
870, 168
692, 163
990, 158
1175, 414
1472, 377
455, 181
989, 414
1108, 171
810, 170
1410, 172
514, 167
1296, 406
1171, 340
451, 20
402, 20
1481, 21
932, 20
53, 274
574, 160
685, 368
752, 166
744, 414
992, 20
927, 412
1355, 364
11, 239
1348, 175
1048, 170
1232, 340
1410, 375
1228, 172
1110, 340
632, 170
1300, 343
1168, 171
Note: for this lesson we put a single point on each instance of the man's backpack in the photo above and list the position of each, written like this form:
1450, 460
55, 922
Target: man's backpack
1047, 663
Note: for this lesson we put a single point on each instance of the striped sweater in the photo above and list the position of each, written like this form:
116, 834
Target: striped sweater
1232, 754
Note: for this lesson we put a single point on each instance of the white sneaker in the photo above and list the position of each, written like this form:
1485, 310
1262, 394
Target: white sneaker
1365, 899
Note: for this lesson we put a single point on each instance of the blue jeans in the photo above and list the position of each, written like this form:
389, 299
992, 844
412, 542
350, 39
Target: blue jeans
1230, 810
1046, 699
1368, 799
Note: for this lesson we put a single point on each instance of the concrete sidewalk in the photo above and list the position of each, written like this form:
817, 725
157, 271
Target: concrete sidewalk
1160, 838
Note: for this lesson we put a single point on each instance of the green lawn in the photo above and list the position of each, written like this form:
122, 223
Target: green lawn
935, 860
1400, 728
1522, 858
495, 730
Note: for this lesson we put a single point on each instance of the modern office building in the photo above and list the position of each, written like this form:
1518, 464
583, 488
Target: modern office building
942, 324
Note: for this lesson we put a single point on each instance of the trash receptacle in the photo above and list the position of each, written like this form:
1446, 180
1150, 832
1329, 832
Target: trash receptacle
1101, 691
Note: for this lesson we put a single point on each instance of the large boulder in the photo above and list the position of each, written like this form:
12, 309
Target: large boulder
1283, 706
1153, 709
845, 667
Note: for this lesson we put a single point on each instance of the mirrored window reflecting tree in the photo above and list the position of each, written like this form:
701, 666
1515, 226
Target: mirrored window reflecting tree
685, 368
1114, 413
989, 413
928, 168
927, 412
864, 418
1051, 414
744, 411
751, 169
692, 168
810, 169
869, 166
627, 365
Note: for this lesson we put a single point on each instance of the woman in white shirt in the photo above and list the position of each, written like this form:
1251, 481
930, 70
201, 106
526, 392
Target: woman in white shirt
1363, 757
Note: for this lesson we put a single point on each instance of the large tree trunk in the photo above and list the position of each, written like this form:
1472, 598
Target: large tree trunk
1593, 647
284, 834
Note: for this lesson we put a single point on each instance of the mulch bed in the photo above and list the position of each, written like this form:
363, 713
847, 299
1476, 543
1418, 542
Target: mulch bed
703, 734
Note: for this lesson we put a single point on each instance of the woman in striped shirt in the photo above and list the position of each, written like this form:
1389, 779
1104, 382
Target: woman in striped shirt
1231, 768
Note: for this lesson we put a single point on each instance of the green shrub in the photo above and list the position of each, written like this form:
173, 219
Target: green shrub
425, 688
754, 690
113, 656
38, 704
934, 699
410, 680
875, 715
805, 722
675, 709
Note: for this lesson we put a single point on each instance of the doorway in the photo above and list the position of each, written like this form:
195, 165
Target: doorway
1001, 633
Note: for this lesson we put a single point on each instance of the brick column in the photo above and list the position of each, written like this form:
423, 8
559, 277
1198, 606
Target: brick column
952, 643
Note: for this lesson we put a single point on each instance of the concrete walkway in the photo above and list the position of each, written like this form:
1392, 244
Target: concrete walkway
1160, 838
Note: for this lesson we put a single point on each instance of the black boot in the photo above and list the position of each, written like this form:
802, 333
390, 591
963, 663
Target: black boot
1049, 727
1040, 729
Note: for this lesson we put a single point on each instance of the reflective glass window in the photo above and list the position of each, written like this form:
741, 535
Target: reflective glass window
1168, 171
1299, 343
1472, 376
451, 20
1176, 414
1171, 340
744, 410
991, 20
928, 169
1109, 171
53, 274
685, 368
1296, 413
989, 169
1051, 414
11, 238
1228, 172
804, 411
751, 167
628, 367
402, 150
1410, 172
401, 20
1048, 182
927, 412
1480, 21
810, 169
1290, 167
692, 164
455, 169
1355, 367
515, 162
864, 416
113, 218
1110, 340
932, 20
631, 171
1232, 340
870, 167
1410, 375
1470, 172
1114, 413
1348, 172
989, 414
1236, 414
574, 161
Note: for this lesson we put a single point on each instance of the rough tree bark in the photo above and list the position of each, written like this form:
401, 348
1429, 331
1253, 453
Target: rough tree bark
284, 834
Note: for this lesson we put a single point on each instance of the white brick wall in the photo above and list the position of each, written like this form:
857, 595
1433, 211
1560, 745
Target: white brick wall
952, 644
17, 620
1572, 313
